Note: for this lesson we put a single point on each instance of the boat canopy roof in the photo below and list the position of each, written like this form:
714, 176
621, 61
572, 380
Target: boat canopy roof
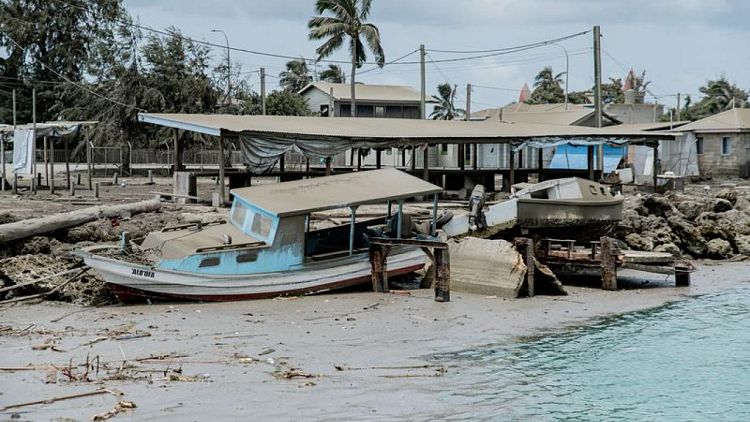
338, 191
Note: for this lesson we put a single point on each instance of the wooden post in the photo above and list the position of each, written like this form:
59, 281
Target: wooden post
328, 166
656, 166
609, 264
378, 262
222, 193
442, 275
177, 158
72, 190
89, 157
540, 165
45, 157
307, 165
512, 175
426, 164
281, 163
351, 157
475, 156
96, 190
352, 226
378, 157
52, 165
359, 159
590, 158
403, 157
66, 153
461, 156
413, 158
681, 275
530, 266
400, 219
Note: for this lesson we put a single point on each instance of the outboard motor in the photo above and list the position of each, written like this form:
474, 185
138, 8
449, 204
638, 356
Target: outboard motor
477, 220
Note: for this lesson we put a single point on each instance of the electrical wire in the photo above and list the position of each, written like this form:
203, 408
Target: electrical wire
531, 45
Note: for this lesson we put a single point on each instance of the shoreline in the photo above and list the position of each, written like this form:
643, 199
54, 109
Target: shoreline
378, 342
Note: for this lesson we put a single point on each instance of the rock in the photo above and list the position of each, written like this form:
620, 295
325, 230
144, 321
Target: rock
659, 206
670, 248
718, 248
743, 244
691, 209
639, 243
35, 245
721, 205
729, 195
691, 238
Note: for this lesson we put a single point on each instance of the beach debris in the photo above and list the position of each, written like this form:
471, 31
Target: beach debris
121, 406
293, 373
55, 399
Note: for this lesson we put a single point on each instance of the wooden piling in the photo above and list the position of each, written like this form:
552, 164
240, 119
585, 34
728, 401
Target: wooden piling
378, 262
608, 264
442, 275
682, 275
530, 267
96, 190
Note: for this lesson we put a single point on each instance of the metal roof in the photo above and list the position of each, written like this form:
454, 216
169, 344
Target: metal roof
734, 120
551, 114
365, 92
337, 191
404, 131
53, 128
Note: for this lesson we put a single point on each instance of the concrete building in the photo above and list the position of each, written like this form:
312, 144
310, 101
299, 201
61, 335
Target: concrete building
394, 101
717, 145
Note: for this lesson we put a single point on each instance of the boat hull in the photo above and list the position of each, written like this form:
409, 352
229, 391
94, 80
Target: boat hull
548, 213
136, 283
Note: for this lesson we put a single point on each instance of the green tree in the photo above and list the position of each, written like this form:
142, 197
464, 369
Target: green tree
547, 89
445, 108
347, 22
718, 95
296, 76
285, 103
334, 74
612, 92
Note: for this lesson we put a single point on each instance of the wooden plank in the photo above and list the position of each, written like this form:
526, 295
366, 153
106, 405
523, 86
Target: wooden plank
435, 244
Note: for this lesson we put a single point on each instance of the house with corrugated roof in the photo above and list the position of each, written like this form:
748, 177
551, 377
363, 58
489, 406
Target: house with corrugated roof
720, 144
394, 101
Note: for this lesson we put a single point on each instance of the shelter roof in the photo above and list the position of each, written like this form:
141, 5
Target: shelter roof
366, 92
53, 128
338, 191
374, 130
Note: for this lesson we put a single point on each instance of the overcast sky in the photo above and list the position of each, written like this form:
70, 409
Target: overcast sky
680, 43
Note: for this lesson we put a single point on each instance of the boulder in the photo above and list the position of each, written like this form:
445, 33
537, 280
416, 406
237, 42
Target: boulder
691, 209
718, 248
659, 206
743, 244
691, 238
639, 242
670, 248
729, 195
721, 205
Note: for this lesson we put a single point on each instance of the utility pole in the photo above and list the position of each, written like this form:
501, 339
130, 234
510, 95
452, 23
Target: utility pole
423, 93
598, 89
474, 146
567, 71
33, 140
678, 107
263, 90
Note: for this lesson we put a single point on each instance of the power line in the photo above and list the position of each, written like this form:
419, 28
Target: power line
512, 49
388, 63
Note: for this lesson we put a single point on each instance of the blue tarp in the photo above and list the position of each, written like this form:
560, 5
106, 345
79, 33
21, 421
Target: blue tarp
574, 157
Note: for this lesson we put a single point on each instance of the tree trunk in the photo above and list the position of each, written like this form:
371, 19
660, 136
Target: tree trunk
35, 226
354, 70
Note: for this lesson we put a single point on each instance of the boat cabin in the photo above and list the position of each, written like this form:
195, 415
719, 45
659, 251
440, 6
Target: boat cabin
268, 229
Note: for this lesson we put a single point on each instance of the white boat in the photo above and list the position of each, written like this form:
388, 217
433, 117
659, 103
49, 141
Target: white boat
266, 248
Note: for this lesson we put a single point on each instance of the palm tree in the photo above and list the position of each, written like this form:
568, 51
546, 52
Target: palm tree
445, 109
547, 87
348, 22
296, 76
334, 74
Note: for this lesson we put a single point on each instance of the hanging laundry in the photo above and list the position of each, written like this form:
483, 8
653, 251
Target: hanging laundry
23, 151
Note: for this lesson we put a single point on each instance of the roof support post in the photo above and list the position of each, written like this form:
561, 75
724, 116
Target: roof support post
461, 156
352, 220
359, 159
222, 193
89, 157
475, 156
425, 163
400, 217
66, 153
540, 164
52, 165
177, 159
512, 165
328, 166
590, 157
413, 158
390, 211
378, 158
434, 214
656, 165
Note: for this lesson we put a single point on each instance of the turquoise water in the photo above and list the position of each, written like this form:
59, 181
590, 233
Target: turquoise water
687, 361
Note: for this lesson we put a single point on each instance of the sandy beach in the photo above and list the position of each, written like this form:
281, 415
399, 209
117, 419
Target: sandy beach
342, 356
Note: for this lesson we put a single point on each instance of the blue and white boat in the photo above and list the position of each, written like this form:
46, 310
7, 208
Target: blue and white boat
266, 248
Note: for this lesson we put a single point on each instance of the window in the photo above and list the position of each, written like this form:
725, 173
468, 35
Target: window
379, 111
726, 145
443, 149
324, 110
238, 213
262, 225
699, 146
247, 257
209, 262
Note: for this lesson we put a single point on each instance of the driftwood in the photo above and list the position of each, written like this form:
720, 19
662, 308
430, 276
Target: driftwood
45, 294
29, 283
55, 399
36, 226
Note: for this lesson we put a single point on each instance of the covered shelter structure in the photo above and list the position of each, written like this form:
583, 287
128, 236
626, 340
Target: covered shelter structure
265, 139
24, 140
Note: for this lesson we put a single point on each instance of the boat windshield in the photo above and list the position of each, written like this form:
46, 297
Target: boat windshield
238, 214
